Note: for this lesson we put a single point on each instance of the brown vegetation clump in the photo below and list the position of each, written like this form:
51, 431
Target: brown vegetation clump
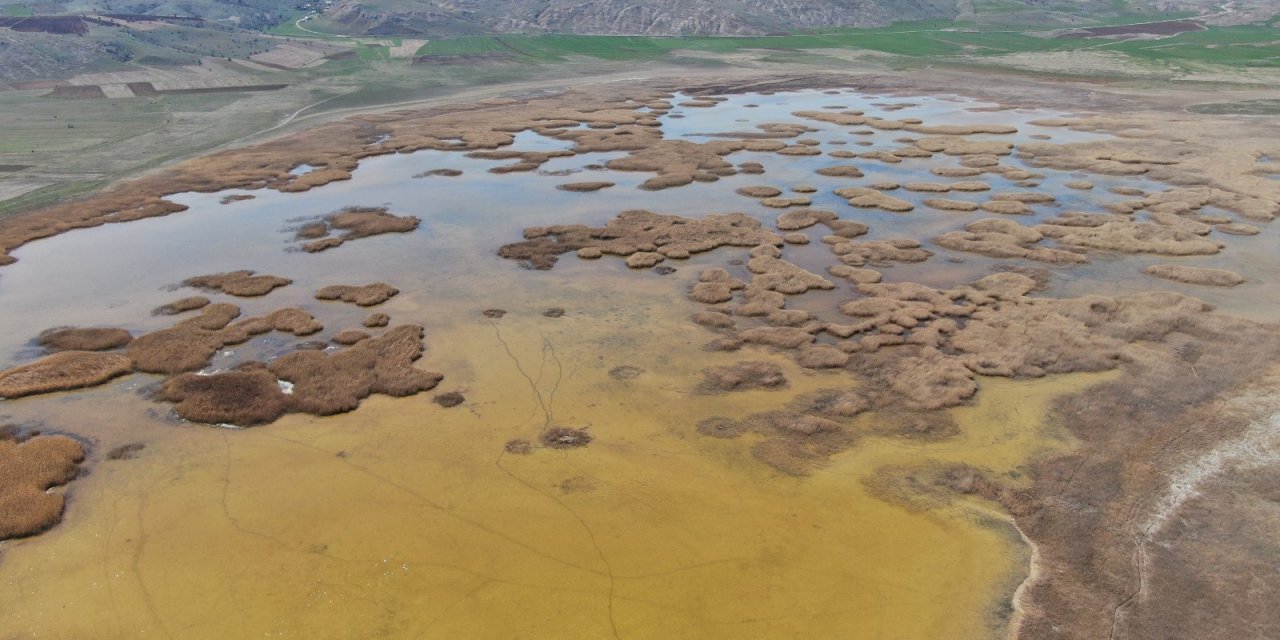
639, 231
1195, 275
244, 397
840, 171
329, 383
1079, 185
1003, 238
377, 320
759, 192
715, 286
353, 223
190, 344
364, 295
349, 337
742, 376
880, 252
585, 187
946, 204
565, 437
518, 446
1129, 236
449, 399
955, 172
927, 187
970, 187
874, 199
63, 371
797, 219
180, 306
856, 275
1238, 229
958, 146
775, 274
238, 283
1006, 207
83, 339
784, 202
27, 471
447, 173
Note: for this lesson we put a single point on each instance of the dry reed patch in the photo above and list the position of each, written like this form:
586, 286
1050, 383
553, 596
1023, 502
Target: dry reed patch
945, 204
926, 187
1006, 207
955, 172
1003, 238
27, 471
956, 146
62, 372
449, 399
83, 339
856, 275
1195, 275
879, 252
246, 397
1238, 229
680, 162
1128, 236
444, 173
970, 187
874, 199
242, 284
565, 438
325, 384
742, 376
785, 202
363, 295
376, 320
585, 187
759, 192
638, 231
349, 337
840, 171
190, 344
181, 306
353, 223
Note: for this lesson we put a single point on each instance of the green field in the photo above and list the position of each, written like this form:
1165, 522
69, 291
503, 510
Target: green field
1253, 45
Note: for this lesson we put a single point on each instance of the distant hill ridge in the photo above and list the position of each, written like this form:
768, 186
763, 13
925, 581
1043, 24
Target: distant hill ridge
632, 17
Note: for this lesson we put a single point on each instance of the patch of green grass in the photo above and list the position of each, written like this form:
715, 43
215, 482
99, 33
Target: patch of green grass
17, 11
373, 53
1246, 45
1245, 108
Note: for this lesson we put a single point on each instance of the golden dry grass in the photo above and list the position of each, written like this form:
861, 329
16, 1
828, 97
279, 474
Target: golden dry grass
83, 339
63, 371
27, 470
